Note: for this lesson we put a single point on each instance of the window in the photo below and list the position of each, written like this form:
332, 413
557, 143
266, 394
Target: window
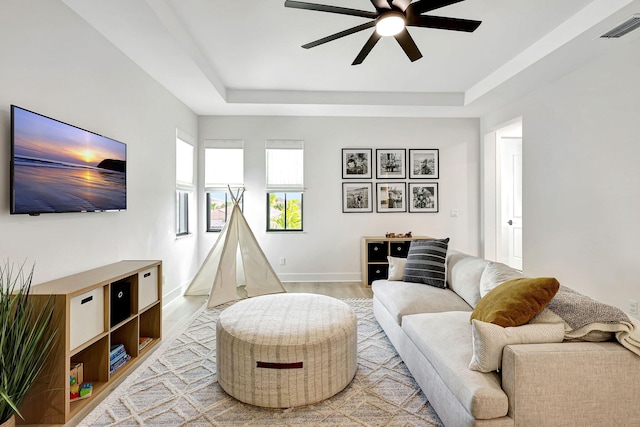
285, 211
285, 185
184, 183
219, 207
223, 169
182, 208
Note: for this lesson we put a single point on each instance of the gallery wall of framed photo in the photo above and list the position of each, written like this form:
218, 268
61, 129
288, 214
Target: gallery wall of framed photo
403, 181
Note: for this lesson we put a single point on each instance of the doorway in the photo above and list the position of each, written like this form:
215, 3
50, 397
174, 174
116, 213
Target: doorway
502, 195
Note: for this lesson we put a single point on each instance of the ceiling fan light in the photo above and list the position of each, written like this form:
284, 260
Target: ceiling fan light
390, 23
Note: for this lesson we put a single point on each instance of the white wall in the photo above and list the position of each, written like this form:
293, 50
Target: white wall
581, 145
329, 247
54, 63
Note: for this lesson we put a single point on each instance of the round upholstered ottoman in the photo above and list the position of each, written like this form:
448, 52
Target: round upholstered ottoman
286, 350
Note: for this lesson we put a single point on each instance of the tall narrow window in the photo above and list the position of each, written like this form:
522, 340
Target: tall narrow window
182, 208
285, 185
223, 168
184, 183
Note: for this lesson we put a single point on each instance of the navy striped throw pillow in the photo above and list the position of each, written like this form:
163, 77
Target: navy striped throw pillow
426, 262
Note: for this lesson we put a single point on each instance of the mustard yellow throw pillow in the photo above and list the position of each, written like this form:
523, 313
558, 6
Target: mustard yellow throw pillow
516, 301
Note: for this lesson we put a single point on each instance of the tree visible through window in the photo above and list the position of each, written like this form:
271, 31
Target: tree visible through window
285, 211
285, 184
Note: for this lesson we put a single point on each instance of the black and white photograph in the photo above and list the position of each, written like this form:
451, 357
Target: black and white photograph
423, 164
356, 163
357, 197
423, 197
391, 197
391, 164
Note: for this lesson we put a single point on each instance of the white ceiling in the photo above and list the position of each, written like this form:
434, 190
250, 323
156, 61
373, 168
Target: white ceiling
235, 57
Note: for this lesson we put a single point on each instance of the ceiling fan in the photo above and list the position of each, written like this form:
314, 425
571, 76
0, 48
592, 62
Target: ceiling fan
391, 19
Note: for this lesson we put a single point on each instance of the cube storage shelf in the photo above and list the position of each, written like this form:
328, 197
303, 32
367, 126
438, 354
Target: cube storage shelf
375, 250
85, 332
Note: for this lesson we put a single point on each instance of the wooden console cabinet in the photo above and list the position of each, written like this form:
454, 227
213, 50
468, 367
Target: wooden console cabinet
375, 251
85, 332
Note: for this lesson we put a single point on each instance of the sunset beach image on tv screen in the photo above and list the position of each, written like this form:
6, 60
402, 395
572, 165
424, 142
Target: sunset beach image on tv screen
61, 168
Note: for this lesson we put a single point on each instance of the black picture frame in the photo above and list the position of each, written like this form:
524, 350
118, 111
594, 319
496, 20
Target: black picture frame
423, 197
391, 163
357, 163
357, 197
391, 197
424, 163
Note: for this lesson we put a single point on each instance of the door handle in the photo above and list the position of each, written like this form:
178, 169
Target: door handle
510, 222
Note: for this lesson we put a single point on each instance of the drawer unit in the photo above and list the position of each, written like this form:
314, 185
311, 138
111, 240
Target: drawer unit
399, 249
120, 302
374, 253
147, 287
377, 251
86, 317
378, 271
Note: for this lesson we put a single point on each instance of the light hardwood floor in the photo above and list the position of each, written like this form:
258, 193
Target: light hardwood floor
179, 311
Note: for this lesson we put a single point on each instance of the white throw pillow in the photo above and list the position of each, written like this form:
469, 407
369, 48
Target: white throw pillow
396, 268
495, 274
489, 340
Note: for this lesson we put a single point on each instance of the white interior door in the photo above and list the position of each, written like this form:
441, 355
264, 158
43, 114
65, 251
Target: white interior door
511, 201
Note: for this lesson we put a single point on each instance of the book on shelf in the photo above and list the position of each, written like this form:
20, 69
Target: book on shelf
115, 350
117, 365
117, 358
144, 341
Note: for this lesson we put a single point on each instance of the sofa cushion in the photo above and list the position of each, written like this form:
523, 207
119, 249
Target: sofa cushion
402, 298
496, 273
445, 340
516, 301
489, 340
396, 268
426, 262
463, 275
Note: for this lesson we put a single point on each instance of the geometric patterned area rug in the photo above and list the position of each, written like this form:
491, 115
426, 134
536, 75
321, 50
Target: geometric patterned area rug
177, 386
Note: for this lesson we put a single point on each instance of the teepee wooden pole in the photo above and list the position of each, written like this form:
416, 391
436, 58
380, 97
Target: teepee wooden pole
236, 197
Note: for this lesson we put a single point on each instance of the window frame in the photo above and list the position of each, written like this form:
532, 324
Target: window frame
221, 187
285, 229
285, 189
227, 214
185, 189
182, 212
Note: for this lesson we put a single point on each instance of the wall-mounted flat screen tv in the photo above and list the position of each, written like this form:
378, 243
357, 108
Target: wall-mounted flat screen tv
57, 167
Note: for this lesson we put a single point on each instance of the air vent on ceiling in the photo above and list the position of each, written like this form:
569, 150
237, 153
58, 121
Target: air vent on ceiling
625, 28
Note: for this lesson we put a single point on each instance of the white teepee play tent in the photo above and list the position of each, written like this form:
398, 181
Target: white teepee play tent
236, 267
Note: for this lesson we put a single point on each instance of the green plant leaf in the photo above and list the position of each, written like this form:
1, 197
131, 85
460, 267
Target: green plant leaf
26, 337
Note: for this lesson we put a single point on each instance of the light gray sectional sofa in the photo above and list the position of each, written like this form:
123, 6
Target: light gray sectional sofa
552, 384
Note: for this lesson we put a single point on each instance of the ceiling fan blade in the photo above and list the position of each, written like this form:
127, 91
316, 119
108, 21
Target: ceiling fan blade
401, 4
367, 48
422, 6
381, 5
332, 9
339, 35
408, 45
443, 23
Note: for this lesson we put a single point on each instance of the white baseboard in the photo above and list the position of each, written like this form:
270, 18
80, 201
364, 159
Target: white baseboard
174, 294
320, 277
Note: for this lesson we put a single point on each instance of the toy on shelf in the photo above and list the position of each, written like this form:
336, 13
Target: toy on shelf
399, 235
78, 389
